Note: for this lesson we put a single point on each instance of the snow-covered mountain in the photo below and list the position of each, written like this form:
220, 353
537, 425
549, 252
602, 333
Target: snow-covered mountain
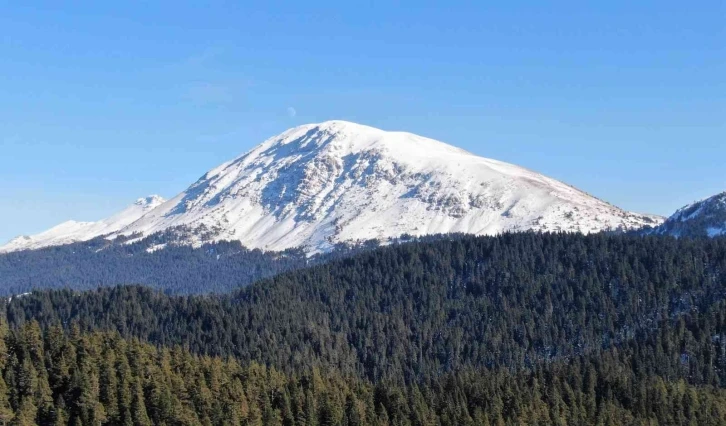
72, 231
704, 218
339, 182
320, 184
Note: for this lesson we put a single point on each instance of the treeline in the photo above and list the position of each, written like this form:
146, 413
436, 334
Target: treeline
73, 378
414, 311
175, 269
163, 261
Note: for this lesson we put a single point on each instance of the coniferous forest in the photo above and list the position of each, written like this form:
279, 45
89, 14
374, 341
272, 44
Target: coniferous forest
517, 329
177, 269
159, 261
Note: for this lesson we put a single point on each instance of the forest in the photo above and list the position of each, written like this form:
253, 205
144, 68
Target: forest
177, 269
161, 261
57, 377
516, 329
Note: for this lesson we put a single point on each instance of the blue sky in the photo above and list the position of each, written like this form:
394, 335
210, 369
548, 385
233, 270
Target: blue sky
104, 102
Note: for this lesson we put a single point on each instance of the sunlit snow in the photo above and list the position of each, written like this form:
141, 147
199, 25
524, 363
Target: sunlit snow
321, 184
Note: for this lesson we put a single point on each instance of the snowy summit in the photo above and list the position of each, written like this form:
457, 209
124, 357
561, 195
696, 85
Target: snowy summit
320, 184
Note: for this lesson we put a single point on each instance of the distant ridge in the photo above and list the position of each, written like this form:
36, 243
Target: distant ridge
704, 218
72, 231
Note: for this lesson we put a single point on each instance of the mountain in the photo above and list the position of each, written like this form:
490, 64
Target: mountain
704, 218
72, 231
318, 185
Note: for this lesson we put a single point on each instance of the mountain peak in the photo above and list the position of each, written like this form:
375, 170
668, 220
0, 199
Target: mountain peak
338, 138
706, 217
336, 126
320, 184
317, 185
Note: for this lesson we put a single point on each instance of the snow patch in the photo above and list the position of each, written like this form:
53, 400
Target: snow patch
715, 232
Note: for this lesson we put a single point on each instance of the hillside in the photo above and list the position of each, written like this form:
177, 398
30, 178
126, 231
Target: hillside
178, 269
410, 311
704, 218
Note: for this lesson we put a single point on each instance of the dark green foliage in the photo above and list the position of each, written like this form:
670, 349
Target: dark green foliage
517, 329
57, 378
157, 261
404, 313
214, 267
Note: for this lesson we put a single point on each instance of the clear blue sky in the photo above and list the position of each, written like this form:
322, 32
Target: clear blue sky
104, 102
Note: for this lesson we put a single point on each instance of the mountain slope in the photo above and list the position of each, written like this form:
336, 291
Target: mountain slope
321, 184
72, 231
704, 218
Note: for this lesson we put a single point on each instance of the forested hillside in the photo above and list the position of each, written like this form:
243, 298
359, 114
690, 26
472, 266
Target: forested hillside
175, 269
410, 311
160, 261
522, 328
57, 378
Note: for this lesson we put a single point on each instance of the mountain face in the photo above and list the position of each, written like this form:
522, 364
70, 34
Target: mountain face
705, 218
318, 185
321, 184
72, 231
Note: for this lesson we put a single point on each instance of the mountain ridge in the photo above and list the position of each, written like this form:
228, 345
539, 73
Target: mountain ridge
702, 218
318, 185
73, 231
